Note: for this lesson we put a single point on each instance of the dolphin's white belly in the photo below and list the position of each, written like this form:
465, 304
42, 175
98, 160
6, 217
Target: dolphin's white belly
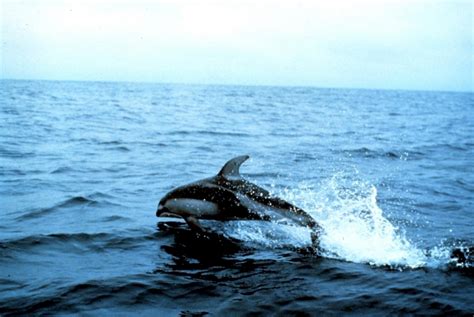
194, 207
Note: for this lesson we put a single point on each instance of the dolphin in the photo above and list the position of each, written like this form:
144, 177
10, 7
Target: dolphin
227, 196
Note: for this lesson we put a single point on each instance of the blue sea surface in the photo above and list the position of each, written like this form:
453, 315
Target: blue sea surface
389, 175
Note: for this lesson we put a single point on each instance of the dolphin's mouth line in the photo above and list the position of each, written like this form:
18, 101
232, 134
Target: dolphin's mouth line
167, 214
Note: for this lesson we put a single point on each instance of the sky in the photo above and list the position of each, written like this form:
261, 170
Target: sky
387, 44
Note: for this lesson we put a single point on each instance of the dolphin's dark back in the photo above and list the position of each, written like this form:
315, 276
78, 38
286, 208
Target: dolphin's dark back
236, 198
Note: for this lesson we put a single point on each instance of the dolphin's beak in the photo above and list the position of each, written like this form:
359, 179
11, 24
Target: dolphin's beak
161, 209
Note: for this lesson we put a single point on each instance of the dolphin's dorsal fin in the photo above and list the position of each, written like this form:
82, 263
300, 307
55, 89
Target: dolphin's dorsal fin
230, 170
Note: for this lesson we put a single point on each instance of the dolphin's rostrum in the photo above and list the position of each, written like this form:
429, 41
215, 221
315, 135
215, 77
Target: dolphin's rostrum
227, 196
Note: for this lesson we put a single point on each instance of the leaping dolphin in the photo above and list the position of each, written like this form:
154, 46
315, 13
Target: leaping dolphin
227, 196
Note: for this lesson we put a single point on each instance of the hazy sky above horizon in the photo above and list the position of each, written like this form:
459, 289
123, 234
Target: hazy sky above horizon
411, 44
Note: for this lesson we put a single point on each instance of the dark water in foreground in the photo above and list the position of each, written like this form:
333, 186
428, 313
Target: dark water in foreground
387, 174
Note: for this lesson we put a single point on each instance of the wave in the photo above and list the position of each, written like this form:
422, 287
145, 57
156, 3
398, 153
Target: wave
437, 148
85, 293
25, 243
209, 133
405, 154
62, 170
115, 218
18, 172
77, 242
15, 154
126, 291
113, 142
391, 154
121, 148
97, 198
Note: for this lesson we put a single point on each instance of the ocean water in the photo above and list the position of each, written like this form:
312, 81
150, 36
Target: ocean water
389, 175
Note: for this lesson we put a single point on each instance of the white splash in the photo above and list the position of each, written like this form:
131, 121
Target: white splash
269, 235
355, 228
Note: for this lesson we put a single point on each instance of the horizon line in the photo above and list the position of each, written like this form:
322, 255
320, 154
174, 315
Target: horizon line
235, 85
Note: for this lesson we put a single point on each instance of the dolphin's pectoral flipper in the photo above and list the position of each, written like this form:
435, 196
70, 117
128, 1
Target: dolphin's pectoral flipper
194, 223
230, 170
203, 233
